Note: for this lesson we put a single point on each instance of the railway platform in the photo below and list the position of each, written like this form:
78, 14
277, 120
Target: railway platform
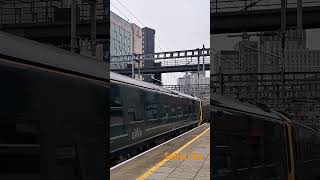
184, 157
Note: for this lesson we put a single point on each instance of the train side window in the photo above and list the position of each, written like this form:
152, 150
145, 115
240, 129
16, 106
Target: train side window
116, 109
117, 124
189, 109
149, 105
115, 96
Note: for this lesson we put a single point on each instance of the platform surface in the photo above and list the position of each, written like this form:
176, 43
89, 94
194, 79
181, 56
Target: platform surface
183, 158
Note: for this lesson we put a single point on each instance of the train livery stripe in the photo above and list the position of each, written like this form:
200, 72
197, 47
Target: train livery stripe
288, 127
158, 165
200, 114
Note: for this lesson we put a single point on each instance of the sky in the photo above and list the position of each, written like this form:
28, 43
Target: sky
179, 24
182, 25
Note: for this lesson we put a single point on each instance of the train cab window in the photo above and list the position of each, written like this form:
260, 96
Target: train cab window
115, 96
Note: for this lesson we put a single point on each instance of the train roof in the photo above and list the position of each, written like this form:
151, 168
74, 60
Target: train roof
37, 53
232, 103
150, 86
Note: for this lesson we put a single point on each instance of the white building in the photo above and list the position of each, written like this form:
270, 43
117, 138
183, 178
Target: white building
189, 84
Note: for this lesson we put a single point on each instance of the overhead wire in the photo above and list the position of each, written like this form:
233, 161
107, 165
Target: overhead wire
157, 38
140, 23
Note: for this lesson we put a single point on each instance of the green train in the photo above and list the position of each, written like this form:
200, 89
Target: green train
144, 115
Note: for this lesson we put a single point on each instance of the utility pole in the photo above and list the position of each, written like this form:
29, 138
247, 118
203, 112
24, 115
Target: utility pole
93, 20
73, 25
299, 20
198, 70
139, 63
132, 66
283, 33
203, 61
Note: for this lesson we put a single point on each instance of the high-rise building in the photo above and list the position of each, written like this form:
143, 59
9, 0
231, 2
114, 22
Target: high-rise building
271, 44
148, 40
120, 36
148, 47
137, 37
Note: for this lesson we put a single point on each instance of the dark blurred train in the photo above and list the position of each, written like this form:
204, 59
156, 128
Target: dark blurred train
144, 115
252, 142
53, 113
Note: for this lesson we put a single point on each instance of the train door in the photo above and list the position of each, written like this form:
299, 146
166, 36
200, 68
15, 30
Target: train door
118, 124
135, 99
19, 130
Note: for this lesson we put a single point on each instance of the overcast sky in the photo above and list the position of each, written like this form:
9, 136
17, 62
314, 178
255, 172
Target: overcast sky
179, 24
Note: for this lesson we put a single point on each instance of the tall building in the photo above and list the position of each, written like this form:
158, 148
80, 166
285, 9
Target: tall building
148, 47
120, 36
148, 40
128, 39
302, 60
137, 37
294, 42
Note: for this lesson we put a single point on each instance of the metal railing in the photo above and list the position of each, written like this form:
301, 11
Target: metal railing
163, 59
220, 6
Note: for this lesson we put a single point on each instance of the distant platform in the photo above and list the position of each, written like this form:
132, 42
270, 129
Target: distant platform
184, 157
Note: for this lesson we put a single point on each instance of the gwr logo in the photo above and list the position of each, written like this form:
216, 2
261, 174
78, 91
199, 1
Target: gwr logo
136, 134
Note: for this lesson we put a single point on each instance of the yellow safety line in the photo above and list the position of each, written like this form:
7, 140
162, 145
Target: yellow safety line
157, 166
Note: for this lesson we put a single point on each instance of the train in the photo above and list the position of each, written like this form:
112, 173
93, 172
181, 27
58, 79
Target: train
251, 141
144, 115
54, 113
65, 116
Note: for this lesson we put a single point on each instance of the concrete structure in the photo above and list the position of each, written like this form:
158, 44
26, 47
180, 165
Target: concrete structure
49, 21
163, 69
227, 62
261, 18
